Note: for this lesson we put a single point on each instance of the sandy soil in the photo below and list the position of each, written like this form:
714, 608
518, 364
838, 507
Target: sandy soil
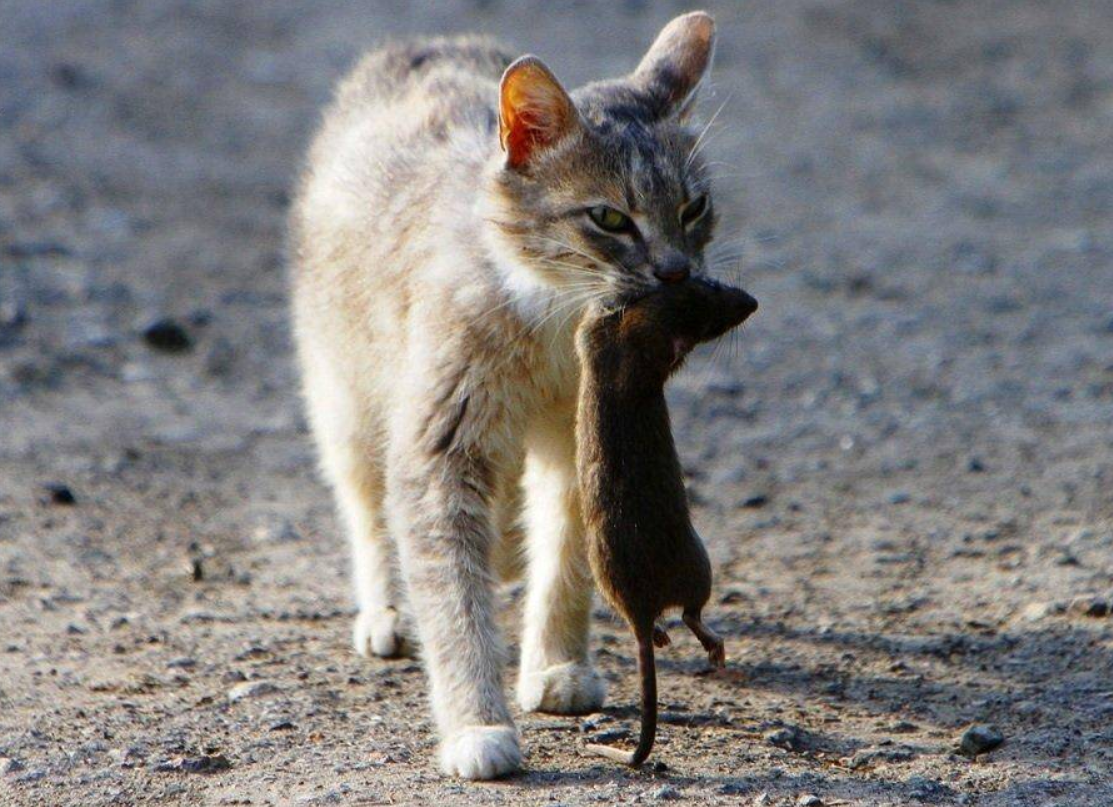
903, 467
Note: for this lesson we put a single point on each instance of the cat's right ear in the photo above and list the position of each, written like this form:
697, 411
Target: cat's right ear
535, 112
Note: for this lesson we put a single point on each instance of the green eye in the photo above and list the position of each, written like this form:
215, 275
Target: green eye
609, 219
693, 211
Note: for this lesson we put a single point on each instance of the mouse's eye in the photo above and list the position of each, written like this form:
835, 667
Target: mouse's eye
609, 219
693, 211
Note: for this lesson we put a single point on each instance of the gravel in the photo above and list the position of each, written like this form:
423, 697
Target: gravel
921, 194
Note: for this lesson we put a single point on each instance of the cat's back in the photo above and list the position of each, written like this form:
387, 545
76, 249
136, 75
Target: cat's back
409, 125
424, 86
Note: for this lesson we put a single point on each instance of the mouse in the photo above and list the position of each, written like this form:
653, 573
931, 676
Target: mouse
644, 553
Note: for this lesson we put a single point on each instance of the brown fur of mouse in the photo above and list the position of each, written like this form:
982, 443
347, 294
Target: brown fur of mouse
645, 555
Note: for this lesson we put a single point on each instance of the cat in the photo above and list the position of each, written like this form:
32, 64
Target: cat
457, 212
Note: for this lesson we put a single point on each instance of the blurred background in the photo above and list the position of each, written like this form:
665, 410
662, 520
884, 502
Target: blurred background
903, 466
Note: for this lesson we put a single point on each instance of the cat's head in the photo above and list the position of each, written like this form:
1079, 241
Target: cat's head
603, 191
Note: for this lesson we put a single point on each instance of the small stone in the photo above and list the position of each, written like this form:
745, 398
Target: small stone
975, 465
251, 689
167, 335
900, 497
788, 738
10, 765
980, 739
1089, 605
60, 494
664, 793
183, 663
1035, 611
809, 800
126, 757
279, 532
203, 763
754, 502
282, 725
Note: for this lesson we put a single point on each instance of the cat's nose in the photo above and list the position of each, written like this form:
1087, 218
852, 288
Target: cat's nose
673, 269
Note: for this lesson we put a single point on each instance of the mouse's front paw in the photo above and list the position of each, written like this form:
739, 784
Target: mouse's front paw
573, 688
481, 752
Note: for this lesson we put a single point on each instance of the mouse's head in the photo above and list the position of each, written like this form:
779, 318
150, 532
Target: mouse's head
647, 339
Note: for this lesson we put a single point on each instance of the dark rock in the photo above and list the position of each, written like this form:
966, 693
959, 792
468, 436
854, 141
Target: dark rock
58, 493
980, 739
900, 497
754, 502
10, 765
282, 725
1089, 605
69, 76
975, 466
167, 335
789, 738
809, 800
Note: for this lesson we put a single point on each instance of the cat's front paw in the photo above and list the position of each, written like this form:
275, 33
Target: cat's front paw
563, 689
481, 752
378, 632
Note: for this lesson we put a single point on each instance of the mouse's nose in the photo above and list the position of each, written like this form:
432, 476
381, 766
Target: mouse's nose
673, 268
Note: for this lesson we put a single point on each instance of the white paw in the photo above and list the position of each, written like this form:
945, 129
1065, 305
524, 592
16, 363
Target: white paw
563, 689
379, 633
481, 752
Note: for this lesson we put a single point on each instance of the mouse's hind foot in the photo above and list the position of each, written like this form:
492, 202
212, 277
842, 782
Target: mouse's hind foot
660, 637
711, 641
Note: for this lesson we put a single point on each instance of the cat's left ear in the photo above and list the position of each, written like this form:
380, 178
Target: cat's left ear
678, 62
535, 111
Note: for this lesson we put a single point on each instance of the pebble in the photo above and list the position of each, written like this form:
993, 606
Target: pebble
809, 800
183, 663
754, 502
980, 739
58, 493
251, 689
664, 793
10, 765
280, 532
203, 763
1089, 605
900, 497
127, 757
168, 336
788, 738
1035, 611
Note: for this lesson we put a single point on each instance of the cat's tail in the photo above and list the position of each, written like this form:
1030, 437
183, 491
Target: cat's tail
647, 671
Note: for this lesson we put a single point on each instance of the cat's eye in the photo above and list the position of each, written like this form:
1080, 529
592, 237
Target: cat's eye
609, 219
693, 211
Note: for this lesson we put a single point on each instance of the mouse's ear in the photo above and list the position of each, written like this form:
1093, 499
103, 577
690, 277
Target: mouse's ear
677, 63
535, 111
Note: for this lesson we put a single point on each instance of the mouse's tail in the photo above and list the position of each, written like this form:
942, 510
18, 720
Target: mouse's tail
647, 671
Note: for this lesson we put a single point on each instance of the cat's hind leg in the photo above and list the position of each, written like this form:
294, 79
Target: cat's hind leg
351, 459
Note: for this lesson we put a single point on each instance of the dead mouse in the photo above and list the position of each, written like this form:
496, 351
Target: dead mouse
644, 553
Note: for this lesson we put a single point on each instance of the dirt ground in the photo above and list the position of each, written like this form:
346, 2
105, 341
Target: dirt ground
903, 467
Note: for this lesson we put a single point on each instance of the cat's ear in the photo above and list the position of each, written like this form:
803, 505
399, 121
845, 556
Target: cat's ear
535, 112
678, 62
